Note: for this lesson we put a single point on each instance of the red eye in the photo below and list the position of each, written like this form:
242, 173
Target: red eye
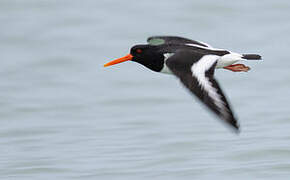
139, 51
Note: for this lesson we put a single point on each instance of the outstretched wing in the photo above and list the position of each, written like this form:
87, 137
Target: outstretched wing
158, 40
196, 72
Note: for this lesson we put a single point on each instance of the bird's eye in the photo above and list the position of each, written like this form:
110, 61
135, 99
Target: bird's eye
139, 51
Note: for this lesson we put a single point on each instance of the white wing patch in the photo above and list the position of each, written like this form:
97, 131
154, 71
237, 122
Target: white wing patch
207, 45
203, 43
198, 70
202, 47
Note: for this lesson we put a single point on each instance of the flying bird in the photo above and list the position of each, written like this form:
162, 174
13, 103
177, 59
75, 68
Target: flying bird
194, 63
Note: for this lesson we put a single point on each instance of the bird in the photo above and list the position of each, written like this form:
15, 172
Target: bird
194, 63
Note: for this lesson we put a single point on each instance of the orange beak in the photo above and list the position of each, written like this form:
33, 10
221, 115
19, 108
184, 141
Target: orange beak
119, 60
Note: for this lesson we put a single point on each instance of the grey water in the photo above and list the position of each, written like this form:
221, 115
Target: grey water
64, 116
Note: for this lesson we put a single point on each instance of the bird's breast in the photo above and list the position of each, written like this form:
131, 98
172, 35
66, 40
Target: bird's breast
166, 70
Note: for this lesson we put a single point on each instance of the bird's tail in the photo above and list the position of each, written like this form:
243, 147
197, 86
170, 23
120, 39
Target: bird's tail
252, 56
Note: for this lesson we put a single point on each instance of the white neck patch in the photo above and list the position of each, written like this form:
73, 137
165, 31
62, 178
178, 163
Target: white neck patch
165, 69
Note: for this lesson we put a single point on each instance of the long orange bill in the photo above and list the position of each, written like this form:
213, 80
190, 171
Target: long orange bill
119, 60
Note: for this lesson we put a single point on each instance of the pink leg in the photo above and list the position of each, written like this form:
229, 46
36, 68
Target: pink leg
237, 68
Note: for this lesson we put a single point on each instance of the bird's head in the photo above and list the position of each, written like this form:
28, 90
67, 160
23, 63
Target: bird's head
147, 55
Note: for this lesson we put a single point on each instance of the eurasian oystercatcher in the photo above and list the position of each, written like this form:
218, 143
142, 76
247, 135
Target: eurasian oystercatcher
193, 62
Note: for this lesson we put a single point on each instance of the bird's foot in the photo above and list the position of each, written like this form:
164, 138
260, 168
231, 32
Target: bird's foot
237, 68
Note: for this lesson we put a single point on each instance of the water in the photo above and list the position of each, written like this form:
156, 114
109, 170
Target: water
64, 116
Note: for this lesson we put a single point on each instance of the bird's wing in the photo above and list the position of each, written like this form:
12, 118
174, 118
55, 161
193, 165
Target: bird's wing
196, 72
158, 40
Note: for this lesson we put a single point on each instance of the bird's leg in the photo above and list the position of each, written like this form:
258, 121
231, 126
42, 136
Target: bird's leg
237, 68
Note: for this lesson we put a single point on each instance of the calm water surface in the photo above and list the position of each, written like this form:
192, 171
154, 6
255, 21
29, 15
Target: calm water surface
63, 116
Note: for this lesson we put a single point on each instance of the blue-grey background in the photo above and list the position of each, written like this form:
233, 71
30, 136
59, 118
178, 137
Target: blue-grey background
64, 116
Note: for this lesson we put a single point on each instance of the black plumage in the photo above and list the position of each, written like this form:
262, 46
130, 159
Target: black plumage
194, 63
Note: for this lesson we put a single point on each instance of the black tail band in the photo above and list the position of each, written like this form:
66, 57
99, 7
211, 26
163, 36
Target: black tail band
252, 56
